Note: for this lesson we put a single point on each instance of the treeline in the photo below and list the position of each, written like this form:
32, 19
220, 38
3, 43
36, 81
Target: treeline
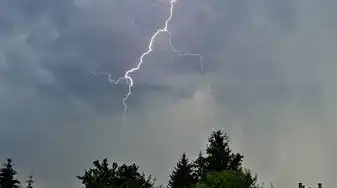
8, 179
218, 167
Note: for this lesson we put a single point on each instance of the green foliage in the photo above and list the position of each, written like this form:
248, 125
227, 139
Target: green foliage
221, 168
124, 176
182, 176
7, 176
229, 179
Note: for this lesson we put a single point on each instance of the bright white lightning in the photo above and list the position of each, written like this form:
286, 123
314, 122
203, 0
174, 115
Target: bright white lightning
127, 74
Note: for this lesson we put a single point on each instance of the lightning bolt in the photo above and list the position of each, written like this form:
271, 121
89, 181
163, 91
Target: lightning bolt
127, 75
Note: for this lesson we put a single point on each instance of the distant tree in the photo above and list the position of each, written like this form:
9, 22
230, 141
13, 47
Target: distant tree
182, 175
229, 179
7, 176
30, 182
219, 168
199, 167
128, 176
125, 176
219, 154
99, 176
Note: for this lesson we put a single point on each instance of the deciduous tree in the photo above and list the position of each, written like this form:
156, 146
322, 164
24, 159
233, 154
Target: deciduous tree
124, 176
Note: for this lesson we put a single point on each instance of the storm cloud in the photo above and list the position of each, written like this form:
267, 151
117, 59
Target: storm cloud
268, 81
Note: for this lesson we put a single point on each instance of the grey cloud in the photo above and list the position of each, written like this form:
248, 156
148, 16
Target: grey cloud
268, 81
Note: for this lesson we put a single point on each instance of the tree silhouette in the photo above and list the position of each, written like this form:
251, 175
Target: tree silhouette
125, 176
7, 176
219, 154
182, 176
219, 168
30, 182
199, 167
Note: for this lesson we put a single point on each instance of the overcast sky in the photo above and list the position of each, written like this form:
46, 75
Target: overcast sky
268, 81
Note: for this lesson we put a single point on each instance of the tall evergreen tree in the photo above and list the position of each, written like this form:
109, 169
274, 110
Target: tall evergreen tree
182, 176
199, 167
7, 176
219, 154
30, 182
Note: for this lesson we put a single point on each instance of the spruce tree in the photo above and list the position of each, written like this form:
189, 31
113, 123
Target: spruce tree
182, 176
30, 182
219, 154
7, 176
199, 167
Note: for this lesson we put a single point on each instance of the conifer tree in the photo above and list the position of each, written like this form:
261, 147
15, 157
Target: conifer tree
219, 154
182, 176
30, 182
7, 176
199, 167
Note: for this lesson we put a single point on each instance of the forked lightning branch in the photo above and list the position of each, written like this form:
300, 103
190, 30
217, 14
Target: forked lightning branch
127, 76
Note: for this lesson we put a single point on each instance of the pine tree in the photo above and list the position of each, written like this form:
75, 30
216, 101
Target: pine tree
30, 182
219, 154
182, 176
7, 176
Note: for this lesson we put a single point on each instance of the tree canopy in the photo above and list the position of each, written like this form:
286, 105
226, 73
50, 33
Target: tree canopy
124, 176
220, 168
219, 154
229, 179
216, 167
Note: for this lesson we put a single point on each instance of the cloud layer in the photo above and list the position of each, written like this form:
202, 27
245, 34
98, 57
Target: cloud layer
268, 81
